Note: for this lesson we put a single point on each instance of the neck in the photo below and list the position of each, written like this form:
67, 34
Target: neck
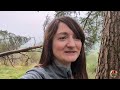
67, 66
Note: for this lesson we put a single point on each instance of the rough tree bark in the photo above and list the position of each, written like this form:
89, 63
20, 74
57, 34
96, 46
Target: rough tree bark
109, 56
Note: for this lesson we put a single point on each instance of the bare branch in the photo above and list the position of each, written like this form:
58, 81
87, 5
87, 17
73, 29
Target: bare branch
10, 61
18, 51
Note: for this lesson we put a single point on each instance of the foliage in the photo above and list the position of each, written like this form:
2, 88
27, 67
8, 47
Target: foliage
10, 41
67, 13
91, 59
9, 72
92, 28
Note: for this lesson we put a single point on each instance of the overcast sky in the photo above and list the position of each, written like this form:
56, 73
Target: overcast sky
24, 23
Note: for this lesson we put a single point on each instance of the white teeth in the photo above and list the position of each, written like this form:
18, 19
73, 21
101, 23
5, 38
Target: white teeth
70, 51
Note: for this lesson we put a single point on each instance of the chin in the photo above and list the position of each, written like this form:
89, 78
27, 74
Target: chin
71, 60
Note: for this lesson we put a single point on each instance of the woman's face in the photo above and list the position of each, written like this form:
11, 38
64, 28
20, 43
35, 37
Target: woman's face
66, 46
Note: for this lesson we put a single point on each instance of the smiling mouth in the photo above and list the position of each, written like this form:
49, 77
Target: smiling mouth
70, 52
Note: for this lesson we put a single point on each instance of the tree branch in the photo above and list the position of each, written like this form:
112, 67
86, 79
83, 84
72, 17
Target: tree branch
18, 51
87, 20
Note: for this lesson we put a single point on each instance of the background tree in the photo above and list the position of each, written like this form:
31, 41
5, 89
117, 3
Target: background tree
46, 22
10, 41
109, 56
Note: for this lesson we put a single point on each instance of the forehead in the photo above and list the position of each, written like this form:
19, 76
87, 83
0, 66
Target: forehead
64, 28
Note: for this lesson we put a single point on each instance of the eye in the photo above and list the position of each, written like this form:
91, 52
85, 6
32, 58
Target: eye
62, 38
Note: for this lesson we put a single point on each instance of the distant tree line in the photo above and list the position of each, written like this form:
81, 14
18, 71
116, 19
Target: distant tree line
10, 41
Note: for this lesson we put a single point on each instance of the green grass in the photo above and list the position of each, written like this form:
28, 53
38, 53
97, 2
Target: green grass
9, 72
92, 59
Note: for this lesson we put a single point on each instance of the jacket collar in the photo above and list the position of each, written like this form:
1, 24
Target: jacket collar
62, 70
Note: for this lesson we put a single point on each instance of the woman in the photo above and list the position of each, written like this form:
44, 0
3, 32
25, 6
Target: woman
63, 55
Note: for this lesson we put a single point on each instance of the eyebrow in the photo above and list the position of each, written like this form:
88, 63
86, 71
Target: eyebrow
62, 33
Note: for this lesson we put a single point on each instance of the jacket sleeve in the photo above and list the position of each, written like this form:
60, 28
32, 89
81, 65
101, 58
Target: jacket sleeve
32, 74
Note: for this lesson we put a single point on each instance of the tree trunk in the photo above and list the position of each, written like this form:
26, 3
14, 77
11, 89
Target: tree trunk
109, 56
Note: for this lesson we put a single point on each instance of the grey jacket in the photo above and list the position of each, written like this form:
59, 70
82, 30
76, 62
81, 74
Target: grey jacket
53, 71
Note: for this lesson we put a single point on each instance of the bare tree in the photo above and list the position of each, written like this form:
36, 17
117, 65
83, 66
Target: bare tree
46, 22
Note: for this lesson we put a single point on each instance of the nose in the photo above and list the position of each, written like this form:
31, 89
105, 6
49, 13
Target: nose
71, 43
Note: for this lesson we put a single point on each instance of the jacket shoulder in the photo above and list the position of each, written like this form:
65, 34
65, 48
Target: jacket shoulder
36, 73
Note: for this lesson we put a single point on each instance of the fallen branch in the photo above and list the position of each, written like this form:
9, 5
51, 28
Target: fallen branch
18, 51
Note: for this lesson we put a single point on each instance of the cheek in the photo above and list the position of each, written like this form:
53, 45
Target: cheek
79, 46
57, 47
